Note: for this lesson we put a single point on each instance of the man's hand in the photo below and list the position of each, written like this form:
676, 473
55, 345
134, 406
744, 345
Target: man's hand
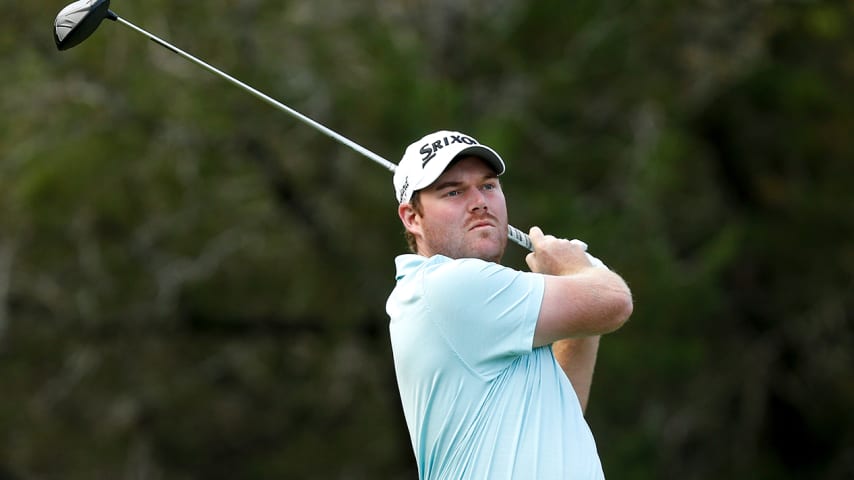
556, 256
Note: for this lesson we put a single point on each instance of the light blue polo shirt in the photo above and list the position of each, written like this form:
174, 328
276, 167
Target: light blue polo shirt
479, 402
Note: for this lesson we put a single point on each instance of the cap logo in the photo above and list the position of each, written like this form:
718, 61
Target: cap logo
404, 189
428, 151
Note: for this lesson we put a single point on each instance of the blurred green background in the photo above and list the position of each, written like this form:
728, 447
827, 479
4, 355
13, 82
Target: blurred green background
192, 284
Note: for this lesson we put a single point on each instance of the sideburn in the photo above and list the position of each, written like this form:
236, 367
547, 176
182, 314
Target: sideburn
415, 202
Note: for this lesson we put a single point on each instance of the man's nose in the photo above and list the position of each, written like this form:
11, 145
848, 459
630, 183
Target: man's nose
478, 200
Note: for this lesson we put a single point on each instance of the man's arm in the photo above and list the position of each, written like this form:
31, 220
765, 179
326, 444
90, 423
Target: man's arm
590, 301
580, 303
577, 358
579, 300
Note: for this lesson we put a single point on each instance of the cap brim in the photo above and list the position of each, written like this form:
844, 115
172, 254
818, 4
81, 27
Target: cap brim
485, 153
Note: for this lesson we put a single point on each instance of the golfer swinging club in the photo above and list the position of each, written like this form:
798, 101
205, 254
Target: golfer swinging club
494, 365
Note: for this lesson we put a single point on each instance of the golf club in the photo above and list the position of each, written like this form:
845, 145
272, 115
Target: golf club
78, 20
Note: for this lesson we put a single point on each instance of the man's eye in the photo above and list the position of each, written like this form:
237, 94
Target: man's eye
489, 186
453, 193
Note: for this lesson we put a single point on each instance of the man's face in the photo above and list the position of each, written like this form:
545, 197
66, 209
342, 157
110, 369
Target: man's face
463, 213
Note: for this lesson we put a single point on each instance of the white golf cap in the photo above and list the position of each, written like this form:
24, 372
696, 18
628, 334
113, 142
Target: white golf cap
425, 160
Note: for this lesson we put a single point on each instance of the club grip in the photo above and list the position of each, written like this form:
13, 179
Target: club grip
519, 237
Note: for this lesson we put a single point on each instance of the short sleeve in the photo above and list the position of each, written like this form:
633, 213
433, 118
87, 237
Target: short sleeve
486, 312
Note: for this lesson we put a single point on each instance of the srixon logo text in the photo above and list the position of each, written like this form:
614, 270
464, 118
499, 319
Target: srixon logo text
429, 150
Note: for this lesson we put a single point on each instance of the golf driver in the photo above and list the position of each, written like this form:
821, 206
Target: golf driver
77, 21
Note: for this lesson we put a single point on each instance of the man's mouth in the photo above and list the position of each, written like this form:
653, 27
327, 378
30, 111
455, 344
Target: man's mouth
478, 225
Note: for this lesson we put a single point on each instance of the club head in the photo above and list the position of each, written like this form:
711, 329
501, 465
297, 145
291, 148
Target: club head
78, 20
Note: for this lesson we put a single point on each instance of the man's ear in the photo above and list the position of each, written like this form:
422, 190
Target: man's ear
410, 218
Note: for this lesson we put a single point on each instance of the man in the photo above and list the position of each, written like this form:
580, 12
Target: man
494, 365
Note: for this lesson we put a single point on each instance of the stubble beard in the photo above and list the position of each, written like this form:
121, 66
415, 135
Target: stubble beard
488, 245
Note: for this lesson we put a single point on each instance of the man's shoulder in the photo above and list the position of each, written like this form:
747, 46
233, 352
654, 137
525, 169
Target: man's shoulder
443, 275
442, 266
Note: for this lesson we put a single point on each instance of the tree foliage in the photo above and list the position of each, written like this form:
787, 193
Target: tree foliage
192, 284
